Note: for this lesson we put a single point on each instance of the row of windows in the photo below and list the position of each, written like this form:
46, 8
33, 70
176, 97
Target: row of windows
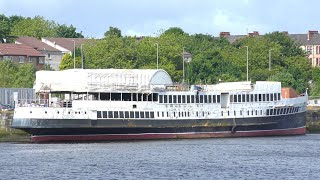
125, 114
189, 98
127, 96
255, 97
279, 111
22, 59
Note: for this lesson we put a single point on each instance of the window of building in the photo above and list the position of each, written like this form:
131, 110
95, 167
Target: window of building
41, 60
29, 59
21, 59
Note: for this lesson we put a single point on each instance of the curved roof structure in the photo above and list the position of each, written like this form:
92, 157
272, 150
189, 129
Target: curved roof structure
102, 80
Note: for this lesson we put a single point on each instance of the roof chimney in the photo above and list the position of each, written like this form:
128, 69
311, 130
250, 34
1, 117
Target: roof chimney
311, 34
224, 34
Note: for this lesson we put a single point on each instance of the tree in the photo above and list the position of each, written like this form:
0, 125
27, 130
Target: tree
4, 26
67, 62
113, 31
25, 76
36, 27
7, 73
68, 32
175, 31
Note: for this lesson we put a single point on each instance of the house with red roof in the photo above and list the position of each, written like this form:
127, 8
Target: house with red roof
52, 55
22, 54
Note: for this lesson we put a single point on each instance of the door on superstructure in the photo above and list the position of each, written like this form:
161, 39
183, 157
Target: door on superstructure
224, 100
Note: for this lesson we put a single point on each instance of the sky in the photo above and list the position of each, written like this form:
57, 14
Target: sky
152, 17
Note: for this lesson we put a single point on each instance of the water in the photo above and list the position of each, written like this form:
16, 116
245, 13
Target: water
295, 157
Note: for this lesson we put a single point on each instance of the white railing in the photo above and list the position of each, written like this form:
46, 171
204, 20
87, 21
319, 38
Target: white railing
42, 103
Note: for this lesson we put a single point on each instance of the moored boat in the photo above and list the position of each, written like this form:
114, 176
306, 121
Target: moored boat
125, 104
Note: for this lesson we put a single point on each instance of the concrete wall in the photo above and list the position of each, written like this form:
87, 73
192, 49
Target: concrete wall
6, 94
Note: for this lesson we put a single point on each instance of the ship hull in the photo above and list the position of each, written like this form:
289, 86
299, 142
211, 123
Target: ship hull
55, 130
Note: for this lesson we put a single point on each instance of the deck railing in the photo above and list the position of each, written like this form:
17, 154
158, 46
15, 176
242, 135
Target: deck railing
42, 103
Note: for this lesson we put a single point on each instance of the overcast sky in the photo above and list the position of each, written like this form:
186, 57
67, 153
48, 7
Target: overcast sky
150, 17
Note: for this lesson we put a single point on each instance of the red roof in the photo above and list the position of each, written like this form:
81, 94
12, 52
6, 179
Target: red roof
35, 43
18, 50
68, 43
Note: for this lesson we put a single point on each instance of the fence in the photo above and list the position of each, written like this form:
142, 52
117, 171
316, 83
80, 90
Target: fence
7, 94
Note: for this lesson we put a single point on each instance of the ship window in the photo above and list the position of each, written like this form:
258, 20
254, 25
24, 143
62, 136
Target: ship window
197, 114
247, 98
99, 114
281, 111
251, 98
234, 113
126, 96
116, 114
179, 114
134, 106
278, 111
197, 99
271, 97
239, 97
279, 96
252, 112
209, 99
188, 114
121, 114
218, 98
115, 96
260, 98
155, 96
134, 96
162, 114
256, 112
231, 98
255, 97
140, 95
243, 98
275, 96
201, 98
126, 114
260, 112
46, 112
160, 99
174, 99
167, 114
185, 114
105, 114
205, 99
145, 97
131, 114
147, 114
240, 112
104, 96
203, 113
158, 113
248, 113
221, 113
150, 96
170, 98
192, 98
58, 112
136, 114
188, 98
179, 98
110, 114
174, 114
152, 114
183, 99
235, 98
267, 112
268, 95
264, 97
228, 113
165, 99
69, 112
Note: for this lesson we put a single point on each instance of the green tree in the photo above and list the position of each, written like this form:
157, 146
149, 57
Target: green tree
4, 26
68, 32
25, 76
36, 27
7, 73
67, 62
113, 31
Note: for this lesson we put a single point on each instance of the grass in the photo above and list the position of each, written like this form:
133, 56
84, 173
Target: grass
13, 135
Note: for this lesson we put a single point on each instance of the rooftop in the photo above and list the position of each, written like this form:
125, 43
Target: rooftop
35, 43
18, 50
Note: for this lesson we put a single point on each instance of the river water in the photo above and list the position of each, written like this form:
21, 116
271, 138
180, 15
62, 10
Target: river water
294, 157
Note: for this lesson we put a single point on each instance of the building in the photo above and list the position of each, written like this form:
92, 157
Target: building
310, 42
52, 55
22, 54
65, 45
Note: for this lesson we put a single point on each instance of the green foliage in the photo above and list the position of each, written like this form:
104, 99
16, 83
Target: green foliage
68, 62
113, 31
18, 76
36, 27
68, 32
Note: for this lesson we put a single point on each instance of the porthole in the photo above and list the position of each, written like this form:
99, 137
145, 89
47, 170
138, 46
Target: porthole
69, 112
45, 112
30, 112
85, 112
58, 112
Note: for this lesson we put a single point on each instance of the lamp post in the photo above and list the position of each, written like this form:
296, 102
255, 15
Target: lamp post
81, 57
157, 55
247, 62
183, 65
270, 59
74, 54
